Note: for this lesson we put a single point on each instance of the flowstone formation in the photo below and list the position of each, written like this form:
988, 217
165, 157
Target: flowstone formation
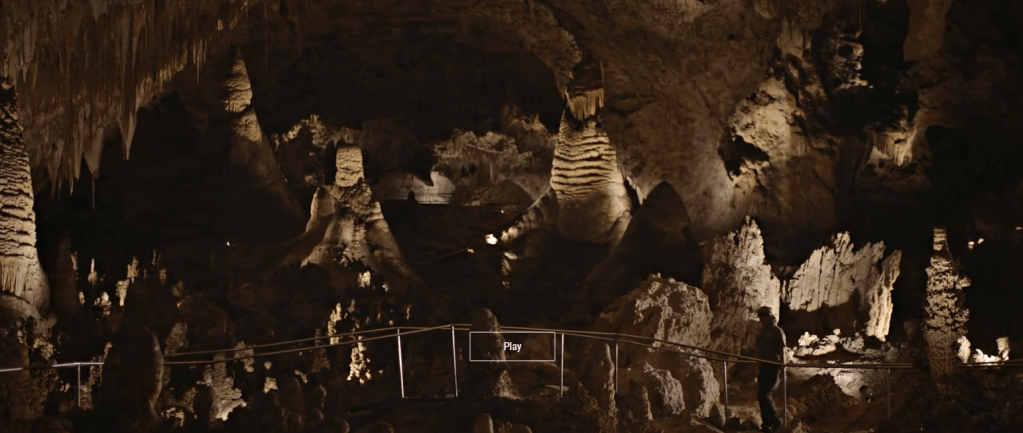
347, 226
839, 287
737, 282
24, 289
587, 200
945, 321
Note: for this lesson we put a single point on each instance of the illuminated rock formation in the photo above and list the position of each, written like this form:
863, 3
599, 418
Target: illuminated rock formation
737, 282
23, 285
351, 227
672, 311
945, 321
489, 379
587, 201
840, 287
682, 311
249, 156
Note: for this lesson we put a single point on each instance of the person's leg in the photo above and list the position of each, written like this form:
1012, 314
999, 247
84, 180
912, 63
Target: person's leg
768, 379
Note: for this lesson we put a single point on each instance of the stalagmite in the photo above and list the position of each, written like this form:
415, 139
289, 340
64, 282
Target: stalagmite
24, 286
248, 150
353, 227
737, 282
838, 284
587, 201
945, 321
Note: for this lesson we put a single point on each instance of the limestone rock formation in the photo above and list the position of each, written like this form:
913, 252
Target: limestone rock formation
879, 299
474, 162
737, 282
598, 377
682, 313
24, 288
658, 239
664, 391
488, 378
587, 201
672, 311
926, 28
483, 424
348, 225
945, 321
775, 161
842, 288
249, 155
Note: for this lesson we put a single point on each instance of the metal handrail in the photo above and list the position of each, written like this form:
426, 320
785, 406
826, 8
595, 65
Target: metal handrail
596, 335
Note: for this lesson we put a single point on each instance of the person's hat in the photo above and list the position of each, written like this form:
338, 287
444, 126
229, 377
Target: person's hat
764, 311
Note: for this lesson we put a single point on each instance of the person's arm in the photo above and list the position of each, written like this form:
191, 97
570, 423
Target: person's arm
779, 344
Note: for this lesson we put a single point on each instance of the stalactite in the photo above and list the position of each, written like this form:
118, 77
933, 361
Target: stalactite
20, 271
80, 68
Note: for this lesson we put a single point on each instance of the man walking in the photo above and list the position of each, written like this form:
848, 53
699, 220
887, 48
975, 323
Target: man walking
771, 345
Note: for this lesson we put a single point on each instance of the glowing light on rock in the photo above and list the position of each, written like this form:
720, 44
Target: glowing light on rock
491, 239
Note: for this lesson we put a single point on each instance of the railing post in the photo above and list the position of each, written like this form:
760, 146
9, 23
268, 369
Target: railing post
78, 384
888, 384
616, 364
725, 364
562, 389
454, 360
785, 395
401, 367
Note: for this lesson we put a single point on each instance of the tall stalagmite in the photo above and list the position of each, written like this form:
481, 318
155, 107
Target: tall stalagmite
351, 227
738, 282
946, 318
587, 201
25, 287
249, 154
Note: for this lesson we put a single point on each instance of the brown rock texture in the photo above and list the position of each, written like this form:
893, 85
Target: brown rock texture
672, 311
249, 155
489, 378
737, 283
842, 284
664, 391
347, 225
926, 28
945, 320
661, 308
587, 201
21, 275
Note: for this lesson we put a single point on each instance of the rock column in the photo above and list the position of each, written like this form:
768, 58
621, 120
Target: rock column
24, 286
945, 320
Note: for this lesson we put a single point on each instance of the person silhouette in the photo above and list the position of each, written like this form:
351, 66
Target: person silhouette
771, 345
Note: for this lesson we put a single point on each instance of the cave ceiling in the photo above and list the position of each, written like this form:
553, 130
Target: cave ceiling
680, 78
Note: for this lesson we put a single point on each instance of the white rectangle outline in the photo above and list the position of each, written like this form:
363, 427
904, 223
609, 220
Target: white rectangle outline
554, 348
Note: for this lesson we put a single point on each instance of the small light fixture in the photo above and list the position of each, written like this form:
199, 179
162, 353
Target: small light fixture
491, 239
980, 241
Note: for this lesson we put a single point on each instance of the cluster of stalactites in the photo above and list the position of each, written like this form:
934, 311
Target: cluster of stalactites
83, 69
585, 93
